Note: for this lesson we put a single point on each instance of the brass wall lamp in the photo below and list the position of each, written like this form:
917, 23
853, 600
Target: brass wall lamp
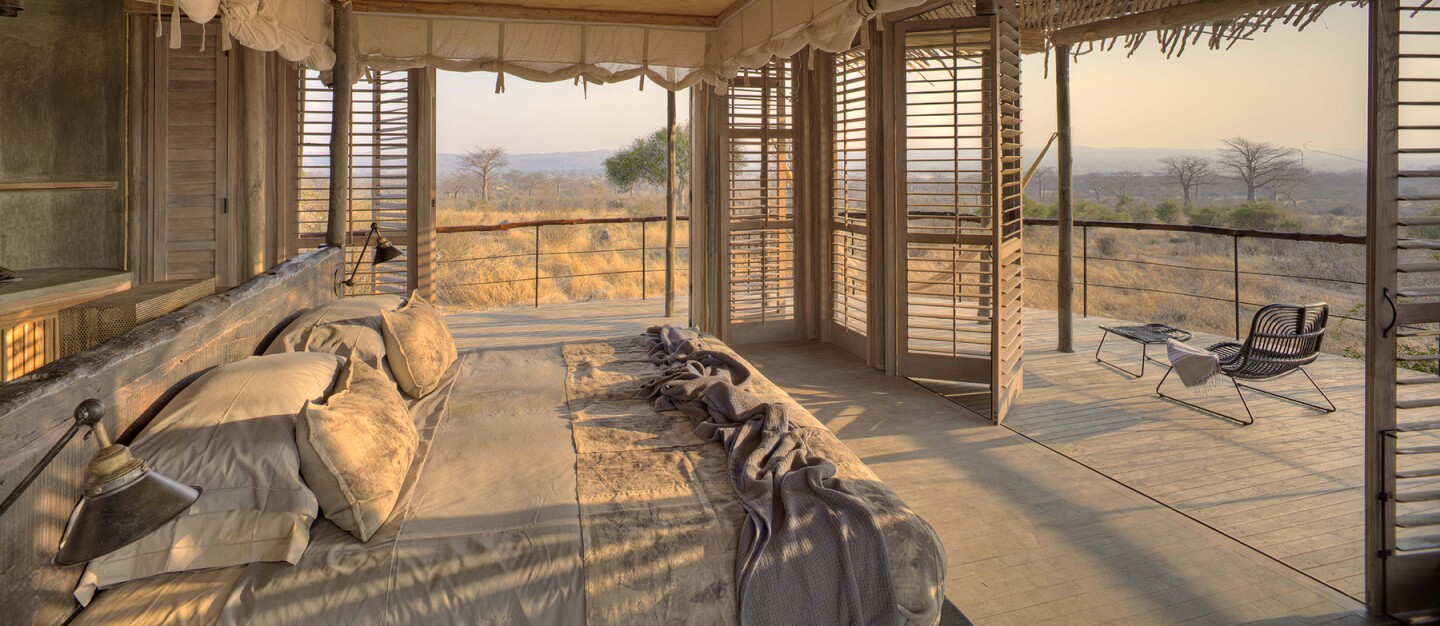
123, 499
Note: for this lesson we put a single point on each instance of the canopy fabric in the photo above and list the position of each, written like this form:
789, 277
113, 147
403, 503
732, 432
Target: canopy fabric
673, 57
298, 30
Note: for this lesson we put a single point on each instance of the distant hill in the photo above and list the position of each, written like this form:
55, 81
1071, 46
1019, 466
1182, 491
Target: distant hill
1147, 160
1087, 159
588, 162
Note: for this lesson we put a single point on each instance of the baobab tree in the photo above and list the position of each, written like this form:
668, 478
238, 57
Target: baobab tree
1188, 173
1258, 164
483, 163
1120, 182
1041, 179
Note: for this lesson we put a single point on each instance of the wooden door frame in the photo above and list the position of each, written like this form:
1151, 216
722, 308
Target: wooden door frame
899, 360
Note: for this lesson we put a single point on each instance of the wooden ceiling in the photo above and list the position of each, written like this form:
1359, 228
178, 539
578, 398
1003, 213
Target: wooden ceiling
692, 13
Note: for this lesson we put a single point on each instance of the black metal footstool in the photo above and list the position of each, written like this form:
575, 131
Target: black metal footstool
1146, 335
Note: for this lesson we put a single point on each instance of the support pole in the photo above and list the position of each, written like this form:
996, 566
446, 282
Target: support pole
671, 182
1065, 259
340, 126
256, 129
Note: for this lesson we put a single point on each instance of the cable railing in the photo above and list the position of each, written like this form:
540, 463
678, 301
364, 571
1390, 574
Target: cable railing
1237, 270
466, 271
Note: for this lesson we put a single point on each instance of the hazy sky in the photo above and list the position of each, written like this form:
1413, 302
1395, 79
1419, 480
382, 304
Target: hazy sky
545, 117
1301, 89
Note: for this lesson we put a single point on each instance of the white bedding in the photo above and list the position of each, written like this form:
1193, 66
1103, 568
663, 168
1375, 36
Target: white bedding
487, 530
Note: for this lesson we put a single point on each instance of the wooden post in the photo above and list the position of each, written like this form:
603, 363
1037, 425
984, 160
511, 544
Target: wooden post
1382, 233
671, 182
255, 133
1065, 258
340, 127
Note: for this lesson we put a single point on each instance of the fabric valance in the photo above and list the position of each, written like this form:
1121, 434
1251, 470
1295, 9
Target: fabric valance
673, 57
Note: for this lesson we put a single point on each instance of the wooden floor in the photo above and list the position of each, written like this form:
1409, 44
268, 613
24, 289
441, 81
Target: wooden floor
1289, 485
1096, 503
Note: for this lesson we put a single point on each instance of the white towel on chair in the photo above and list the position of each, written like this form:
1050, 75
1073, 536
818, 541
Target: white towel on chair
1195, 367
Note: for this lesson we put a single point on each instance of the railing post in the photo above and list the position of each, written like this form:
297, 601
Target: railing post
644, 261
1085, 271
537, 266
1235, 261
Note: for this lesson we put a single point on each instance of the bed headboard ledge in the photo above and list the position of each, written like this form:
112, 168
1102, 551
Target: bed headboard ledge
133, 375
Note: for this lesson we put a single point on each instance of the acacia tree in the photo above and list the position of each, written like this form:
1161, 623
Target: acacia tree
1258, 164
643, 161
1188, 173
483, 163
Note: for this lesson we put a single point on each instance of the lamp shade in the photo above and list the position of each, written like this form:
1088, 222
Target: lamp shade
123, 499
386, 251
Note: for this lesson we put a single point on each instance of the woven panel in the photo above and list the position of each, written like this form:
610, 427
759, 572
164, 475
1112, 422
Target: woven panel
85, 326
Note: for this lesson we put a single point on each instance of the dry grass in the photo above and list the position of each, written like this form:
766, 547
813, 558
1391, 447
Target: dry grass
577, 263
1188, 280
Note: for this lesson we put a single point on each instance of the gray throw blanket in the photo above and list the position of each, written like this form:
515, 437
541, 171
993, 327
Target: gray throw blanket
810, 553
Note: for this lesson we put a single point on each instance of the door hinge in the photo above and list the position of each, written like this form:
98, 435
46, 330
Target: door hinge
1384, 496
224, 205
1385, 554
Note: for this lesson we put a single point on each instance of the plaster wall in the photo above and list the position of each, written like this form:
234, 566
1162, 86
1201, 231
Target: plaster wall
62, 119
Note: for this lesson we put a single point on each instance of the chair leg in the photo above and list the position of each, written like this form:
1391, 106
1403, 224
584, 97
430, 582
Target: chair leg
1249, 417
1329, 408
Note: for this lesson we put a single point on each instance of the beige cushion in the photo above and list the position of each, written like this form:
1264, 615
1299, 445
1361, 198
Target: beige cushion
349, 327
231, 433
356, 448
418, 346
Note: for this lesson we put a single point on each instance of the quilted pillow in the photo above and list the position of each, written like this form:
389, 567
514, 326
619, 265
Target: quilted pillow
356, 448
349, 327
418, 346
231, 433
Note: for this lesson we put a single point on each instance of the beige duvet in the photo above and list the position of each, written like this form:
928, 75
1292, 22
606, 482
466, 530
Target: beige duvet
500, 511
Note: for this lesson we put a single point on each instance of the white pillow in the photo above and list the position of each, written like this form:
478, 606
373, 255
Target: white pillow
231, 433
349, 327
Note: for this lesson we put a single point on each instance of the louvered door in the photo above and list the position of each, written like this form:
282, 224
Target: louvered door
385, 133
850, 191
190, 225
758, 212
956, 199
1403, 388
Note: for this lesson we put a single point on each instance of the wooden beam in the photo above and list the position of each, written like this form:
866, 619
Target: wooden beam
671, 183
68, 185
340, 126
254, 140
1163, 19
512, 12
1065, 270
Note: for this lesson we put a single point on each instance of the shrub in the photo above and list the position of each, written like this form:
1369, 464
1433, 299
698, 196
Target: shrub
1168, 211
1207, 215
1261, 216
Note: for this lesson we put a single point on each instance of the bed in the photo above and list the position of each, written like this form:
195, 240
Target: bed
544, 493
544, 490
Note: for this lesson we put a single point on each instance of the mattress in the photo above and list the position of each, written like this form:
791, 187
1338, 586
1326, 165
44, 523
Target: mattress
493, 526
487, 527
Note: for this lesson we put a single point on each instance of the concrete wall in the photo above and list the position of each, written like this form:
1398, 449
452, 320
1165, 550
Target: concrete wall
62, 118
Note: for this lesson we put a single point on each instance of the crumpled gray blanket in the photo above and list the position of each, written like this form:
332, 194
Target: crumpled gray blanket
810, 552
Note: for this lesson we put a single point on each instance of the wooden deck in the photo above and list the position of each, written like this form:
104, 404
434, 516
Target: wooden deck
1097, 502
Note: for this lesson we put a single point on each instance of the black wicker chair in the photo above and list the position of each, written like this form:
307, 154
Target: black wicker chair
1284, 338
